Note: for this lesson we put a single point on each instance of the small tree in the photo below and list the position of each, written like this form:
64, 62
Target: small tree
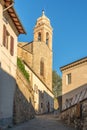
56, 84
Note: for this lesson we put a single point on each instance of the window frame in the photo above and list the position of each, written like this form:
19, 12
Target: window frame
68, 79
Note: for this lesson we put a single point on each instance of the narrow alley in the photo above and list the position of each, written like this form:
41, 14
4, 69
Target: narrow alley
43, 122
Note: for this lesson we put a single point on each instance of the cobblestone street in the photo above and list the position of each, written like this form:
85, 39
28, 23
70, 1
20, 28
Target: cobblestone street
43, 122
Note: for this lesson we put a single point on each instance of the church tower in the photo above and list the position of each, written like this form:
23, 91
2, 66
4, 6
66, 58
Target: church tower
42, 50
37, 58
43, 31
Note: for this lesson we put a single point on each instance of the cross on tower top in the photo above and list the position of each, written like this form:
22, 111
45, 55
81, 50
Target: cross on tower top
43, 13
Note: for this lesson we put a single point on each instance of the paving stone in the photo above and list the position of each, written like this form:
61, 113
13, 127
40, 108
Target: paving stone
43, 122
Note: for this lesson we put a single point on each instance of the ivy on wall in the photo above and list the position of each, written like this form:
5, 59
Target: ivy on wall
22, 68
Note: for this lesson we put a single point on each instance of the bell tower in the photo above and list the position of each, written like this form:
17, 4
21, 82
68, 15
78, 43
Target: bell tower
42, 50
43, 31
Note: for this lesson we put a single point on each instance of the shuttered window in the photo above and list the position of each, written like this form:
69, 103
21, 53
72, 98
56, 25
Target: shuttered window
4, 35
12, 46
7, 39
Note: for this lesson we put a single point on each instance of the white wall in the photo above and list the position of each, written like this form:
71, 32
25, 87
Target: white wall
39, 87
1, 27
7, 71
7, 89
8, 61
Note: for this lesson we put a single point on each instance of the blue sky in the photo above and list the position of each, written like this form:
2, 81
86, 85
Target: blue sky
69, 21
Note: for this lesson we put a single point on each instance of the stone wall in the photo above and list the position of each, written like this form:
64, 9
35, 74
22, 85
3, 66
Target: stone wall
25, 55
73, 116
84, 113
23, 101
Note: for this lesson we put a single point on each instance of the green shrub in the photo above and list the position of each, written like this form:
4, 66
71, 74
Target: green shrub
22, 68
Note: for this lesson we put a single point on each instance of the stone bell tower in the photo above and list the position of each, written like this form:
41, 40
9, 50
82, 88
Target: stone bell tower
42, 50
43, 31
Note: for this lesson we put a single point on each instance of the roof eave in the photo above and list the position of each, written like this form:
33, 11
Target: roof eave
73, 63
14, 16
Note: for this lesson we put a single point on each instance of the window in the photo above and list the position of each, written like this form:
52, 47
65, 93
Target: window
41, 105
39, 36
47, 38
68, 78
8, 40
12, 46
5, 37
42, 68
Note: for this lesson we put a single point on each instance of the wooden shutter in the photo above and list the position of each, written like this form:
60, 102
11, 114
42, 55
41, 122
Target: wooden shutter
4, 35
12, 46
7, 39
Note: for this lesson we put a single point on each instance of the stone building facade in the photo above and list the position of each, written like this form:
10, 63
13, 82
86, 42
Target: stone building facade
74, 80
37, 58
10, 28
74, 93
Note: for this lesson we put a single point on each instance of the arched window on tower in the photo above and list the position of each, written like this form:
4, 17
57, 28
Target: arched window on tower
47, 38
42, 67
39, 36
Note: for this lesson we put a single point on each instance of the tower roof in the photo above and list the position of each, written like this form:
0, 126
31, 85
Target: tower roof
43, 19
